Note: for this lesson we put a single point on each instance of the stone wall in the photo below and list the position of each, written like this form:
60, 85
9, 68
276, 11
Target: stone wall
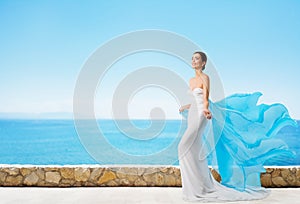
75, 176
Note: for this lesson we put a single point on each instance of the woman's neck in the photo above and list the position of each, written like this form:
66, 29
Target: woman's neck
198, 72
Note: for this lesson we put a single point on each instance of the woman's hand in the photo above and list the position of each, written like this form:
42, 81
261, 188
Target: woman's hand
207, 114
181, 109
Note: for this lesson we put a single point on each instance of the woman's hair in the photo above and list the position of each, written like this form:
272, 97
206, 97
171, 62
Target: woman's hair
203, 57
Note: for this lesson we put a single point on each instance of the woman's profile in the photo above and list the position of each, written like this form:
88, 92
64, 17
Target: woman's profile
240, 153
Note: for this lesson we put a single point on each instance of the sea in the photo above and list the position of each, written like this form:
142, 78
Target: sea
58, 142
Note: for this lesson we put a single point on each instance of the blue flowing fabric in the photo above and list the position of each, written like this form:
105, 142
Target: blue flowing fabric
239, 138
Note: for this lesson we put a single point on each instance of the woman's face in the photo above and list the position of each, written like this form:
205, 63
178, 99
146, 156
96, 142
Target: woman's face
197, 62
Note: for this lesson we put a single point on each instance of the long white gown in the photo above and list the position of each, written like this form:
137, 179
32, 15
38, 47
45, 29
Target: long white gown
197, 181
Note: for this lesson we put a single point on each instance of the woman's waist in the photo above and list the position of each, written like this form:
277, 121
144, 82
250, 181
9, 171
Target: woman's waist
197, 105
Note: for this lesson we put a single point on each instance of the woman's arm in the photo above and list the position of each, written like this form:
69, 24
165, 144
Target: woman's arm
205, 92
206, 87
182, 108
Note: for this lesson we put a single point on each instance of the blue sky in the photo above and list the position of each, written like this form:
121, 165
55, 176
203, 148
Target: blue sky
253, 44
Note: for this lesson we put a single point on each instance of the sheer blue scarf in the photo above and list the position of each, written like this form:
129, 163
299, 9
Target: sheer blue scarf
239, 139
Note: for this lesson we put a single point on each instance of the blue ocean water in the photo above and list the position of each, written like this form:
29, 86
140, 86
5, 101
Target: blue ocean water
44, 142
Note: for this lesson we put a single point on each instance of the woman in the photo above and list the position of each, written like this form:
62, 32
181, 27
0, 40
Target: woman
239, 153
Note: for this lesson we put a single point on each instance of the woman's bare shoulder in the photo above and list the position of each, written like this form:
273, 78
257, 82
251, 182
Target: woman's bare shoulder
205, 75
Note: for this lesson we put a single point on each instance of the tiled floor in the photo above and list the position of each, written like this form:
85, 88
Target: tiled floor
92, 195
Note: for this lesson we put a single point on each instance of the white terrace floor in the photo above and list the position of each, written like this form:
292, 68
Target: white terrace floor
95, 195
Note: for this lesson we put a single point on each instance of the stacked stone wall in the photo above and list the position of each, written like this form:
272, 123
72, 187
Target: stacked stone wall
92, 176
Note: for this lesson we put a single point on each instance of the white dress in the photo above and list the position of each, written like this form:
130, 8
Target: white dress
197, 181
